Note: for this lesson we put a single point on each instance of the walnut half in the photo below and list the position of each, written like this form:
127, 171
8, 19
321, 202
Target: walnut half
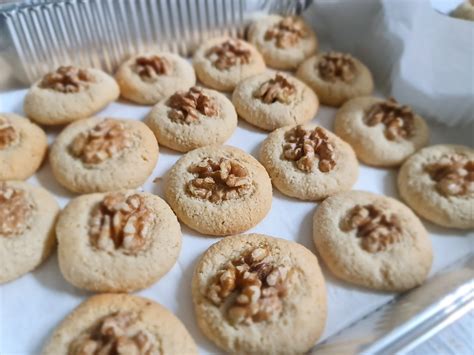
286, 33
151, 67
16, 211
187, 104
454, 175
105, 140
306, 148
8, 134
335, 66
250, 288
66, 79
399, 120
218, 181
228, 54
121, 222
117, 334
276, 89
377, 230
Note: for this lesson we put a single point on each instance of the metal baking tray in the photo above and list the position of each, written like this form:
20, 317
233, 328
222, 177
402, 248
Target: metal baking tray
37, 36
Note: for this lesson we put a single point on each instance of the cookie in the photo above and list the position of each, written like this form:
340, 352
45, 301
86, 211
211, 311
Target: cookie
23, 146
99, 155
27, 217
309, 162
273, 100
336, 77
465, 10
438, 183
120, 324
372, 241
149, 78
254, 294
221, 63
219, 190
69, 94
284, 42
117, 242
191, 119
382, 132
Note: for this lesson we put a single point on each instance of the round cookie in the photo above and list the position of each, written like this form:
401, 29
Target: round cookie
99, 155
23, 146
27, 218
309, 162
151, 77
69, 94
191, 119
117, 242
273, 100
372, 241
284, 42
438, 183
221, 63
255, 294
219, 190
382, 132
465, 10
120, 324
336, 77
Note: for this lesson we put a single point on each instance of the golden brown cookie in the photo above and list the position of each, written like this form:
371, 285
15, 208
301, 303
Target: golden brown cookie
219, 190
255, 294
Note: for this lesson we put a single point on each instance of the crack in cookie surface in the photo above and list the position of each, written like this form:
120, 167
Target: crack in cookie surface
228, 54
67, 79
276, 89
309, 149
377, 229
121, 222
8, 134
219, 180
16, 211
250, 288
187, 105
334, 66
287, 33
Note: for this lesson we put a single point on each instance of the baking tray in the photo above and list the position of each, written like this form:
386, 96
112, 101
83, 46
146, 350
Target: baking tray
360, 321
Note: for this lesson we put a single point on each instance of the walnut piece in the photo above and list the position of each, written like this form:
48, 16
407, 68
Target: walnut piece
117, 334
219, 181
152, 67
66, 79
454, 175
306, 148
287, 33
335, 66
276, 89
250, 288
399, 120
16, 211
227, 54
121, 222
377, 230
187, 104
105, 140
8, 134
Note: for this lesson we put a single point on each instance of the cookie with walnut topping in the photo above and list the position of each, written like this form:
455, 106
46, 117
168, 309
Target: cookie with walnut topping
336, 77
382, 132
438, 183
151, 77
27, 218
219, 190
191, 119
23, 146
273, 100
284, 42
117, 242
98, 155
221, 63
255, 294
120, 324
373, 241
69, 94
309, 162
